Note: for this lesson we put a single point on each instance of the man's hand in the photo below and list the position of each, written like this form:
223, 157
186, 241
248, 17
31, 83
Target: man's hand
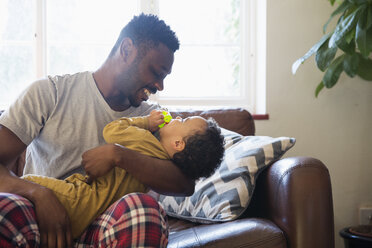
155, 118
99, 161
52, 218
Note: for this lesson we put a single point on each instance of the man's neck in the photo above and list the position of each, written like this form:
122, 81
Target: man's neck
105, 84
117, 103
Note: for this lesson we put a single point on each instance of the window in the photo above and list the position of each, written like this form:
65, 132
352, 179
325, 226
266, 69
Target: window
16, 47
217, 65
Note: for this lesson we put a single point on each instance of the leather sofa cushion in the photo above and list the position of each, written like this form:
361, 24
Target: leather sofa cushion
252, 232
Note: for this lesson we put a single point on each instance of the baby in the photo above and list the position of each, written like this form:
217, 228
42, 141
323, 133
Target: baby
194, 144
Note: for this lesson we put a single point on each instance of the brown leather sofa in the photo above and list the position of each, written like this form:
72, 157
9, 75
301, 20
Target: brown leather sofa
291, 205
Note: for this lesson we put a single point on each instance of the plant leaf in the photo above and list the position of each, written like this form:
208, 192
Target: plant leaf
319, 88
339, 10
325, 55
369, 17
365, 68
358, 2
365, 41
345, 26
332, 2
351, 63
312, 50
361, 33
347, 47
333, 72
350, 36
369, 40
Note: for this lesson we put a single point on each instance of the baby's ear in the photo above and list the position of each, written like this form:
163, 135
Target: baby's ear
179, 145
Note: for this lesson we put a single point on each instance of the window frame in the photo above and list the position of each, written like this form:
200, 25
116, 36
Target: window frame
253, 78
253, 59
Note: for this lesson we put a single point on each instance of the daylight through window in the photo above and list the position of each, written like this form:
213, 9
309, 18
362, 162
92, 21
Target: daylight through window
217, 65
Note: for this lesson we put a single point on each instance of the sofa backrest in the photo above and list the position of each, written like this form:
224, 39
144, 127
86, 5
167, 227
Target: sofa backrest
235, 119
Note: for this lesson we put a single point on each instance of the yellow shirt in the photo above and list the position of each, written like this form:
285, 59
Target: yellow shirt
85, 202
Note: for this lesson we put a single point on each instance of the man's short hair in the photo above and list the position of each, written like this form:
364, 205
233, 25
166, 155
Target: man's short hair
203, 152
147, 31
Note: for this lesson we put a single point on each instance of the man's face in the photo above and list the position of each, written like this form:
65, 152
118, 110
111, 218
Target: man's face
146, 75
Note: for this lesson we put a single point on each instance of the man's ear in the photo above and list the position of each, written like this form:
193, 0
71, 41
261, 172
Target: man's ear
127, 50
179, 145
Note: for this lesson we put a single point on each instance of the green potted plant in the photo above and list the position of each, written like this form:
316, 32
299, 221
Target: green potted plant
350, 40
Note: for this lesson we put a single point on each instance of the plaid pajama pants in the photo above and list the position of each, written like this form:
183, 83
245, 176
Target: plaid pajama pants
135, 220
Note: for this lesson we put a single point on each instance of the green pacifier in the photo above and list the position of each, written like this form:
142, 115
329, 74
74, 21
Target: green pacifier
167, 119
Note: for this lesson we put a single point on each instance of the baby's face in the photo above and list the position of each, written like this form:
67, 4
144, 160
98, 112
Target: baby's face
184, 127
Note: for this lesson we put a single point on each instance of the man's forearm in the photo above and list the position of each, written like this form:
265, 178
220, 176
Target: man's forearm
161, 176
11, 183
52, 219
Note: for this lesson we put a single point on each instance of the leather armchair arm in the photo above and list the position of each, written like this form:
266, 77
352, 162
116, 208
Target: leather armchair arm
295, 193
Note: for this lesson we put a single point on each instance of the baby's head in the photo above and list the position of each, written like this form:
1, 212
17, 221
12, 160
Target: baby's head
194, 144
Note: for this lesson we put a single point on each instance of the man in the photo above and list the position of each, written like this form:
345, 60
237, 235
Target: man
60, 120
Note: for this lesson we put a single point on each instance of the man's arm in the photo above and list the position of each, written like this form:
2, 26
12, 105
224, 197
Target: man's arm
10, 146
52, 217
161, 176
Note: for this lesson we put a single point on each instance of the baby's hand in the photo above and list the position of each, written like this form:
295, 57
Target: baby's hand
155, 118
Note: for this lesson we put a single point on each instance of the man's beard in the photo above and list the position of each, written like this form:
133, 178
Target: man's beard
133, 102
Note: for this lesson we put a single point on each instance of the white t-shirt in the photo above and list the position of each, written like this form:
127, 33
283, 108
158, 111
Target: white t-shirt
60, 118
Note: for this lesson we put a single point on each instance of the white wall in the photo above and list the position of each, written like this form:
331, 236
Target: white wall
336, 127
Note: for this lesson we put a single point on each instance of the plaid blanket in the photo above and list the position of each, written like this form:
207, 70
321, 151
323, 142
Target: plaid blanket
136, 220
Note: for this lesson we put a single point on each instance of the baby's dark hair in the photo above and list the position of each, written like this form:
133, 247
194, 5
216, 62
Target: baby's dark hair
203, 152
147, 31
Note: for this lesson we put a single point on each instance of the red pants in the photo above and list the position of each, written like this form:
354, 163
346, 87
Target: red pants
136, 220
